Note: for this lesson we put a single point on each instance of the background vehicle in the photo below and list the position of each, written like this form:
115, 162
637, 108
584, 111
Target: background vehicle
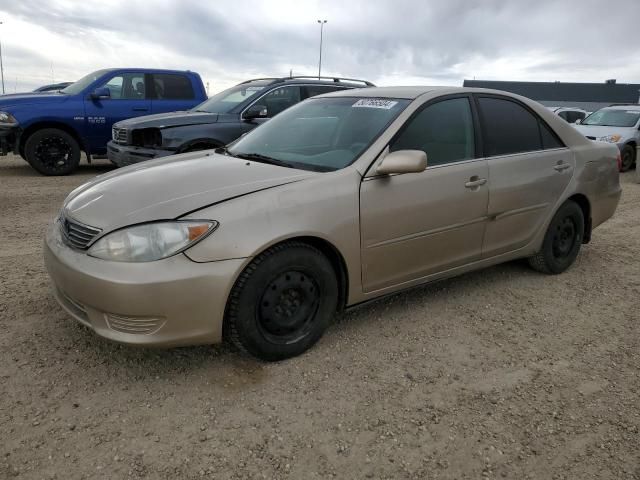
219, 120
338, 200
619, 124
51, 129
53, 87
570, 114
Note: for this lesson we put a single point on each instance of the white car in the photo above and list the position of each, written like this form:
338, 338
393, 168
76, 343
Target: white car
570, 114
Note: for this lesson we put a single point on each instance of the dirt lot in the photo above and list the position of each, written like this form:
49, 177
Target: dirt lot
503, 373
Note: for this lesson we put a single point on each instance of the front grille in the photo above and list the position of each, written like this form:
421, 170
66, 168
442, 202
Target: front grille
77, 234
119, 135
135, 325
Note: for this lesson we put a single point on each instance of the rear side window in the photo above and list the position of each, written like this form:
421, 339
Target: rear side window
313, 90
549, 139
508, 127
443, 130
169, 86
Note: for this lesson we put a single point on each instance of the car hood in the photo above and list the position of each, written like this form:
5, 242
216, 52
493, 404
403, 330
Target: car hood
171, 187
172, 119
600, 131
31, 98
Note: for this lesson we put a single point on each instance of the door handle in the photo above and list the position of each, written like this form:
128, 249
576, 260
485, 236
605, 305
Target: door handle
561, 167
475, 182
140, 109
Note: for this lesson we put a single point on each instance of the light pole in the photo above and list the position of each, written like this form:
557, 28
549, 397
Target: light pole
1, 67
321, 22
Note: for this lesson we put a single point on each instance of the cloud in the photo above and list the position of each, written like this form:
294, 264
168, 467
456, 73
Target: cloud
387, 42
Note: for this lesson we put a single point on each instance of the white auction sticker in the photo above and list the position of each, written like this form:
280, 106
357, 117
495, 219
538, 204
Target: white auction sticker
375, 103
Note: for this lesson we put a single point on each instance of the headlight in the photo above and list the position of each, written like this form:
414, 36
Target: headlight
610, 138
6, 117
151, 241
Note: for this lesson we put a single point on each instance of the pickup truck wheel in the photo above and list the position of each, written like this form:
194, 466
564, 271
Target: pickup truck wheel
52, 152
628, 156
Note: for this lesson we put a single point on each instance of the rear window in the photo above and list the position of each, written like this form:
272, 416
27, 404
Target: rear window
169, 86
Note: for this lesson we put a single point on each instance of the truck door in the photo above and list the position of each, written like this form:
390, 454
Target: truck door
172, 92
128, 99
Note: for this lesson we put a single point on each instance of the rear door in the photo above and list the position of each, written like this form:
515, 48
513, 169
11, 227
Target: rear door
416, 224
529, 169
128, 99
171, 92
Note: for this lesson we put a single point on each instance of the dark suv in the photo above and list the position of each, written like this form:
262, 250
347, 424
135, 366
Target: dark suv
218, 121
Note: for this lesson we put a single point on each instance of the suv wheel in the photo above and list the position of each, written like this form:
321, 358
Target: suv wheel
628, 157
52, 152
282, 302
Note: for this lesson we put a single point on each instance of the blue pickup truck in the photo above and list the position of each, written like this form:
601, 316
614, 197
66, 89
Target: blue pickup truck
50, 130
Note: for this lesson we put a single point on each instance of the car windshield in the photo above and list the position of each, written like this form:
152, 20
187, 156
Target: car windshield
227, 100
613, 118
321, 134
83, 83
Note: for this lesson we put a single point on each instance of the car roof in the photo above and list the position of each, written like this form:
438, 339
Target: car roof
409, 93
623, 107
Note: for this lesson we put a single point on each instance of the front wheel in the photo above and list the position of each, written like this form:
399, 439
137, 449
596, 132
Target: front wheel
628, 158
562, 241
282, 302
52, 152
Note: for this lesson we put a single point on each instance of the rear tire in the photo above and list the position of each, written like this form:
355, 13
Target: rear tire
562, 241
51, 151
628, 158
282, 302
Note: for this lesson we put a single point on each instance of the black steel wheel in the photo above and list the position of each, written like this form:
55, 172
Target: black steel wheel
562, 241
52, 152
282, 302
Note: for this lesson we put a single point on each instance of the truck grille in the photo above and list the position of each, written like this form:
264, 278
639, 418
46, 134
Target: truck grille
77, 235
119, 135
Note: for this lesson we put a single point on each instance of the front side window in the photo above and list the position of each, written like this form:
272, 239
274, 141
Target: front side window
321, 134
170, 86
443, 130
613, 118
127, 86
508, 127
280, 99
313, 90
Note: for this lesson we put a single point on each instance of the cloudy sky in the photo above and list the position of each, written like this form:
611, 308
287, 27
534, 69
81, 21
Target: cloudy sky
389, 42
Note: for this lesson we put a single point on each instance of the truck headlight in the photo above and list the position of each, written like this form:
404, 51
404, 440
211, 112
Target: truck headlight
610, 138
151, 241
6, 117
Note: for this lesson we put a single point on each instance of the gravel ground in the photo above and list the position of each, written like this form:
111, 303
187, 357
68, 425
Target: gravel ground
503, 373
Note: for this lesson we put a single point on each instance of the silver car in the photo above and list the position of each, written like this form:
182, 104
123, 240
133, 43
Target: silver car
618, 124
341, 199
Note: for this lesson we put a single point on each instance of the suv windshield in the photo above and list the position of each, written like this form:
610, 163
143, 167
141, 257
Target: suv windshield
613, 118
227, 100
321, 134
83, 83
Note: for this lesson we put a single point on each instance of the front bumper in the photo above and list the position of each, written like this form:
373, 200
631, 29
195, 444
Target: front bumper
165, 303
123, 155
9, 139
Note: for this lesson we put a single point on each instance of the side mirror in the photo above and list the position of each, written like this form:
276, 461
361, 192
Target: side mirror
101, 93
403, 161
255, 111
578, 121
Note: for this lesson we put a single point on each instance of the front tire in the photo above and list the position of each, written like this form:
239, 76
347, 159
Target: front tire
282, 302
562, 241
628, 158
51, 151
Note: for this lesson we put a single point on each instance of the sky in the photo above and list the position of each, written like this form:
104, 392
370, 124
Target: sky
397, 42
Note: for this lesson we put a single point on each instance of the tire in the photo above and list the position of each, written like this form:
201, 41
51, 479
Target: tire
628, 157
282, 302
562, 241
52, 152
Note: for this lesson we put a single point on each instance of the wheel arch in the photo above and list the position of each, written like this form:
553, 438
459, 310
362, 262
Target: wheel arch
585, 206
34, 127
207, 143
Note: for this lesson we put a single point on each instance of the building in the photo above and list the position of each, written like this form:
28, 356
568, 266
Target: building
588, 96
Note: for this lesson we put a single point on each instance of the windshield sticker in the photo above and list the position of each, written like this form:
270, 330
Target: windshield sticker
375, 103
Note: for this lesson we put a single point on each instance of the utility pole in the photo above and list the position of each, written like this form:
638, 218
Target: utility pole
321, 22
1, 67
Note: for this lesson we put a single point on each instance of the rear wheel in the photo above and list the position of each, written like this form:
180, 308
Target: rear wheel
282, 302
628, 158
562, 241
52, 152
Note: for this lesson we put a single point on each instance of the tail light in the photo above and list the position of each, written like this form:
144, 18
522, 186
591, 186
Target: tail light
619, 161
